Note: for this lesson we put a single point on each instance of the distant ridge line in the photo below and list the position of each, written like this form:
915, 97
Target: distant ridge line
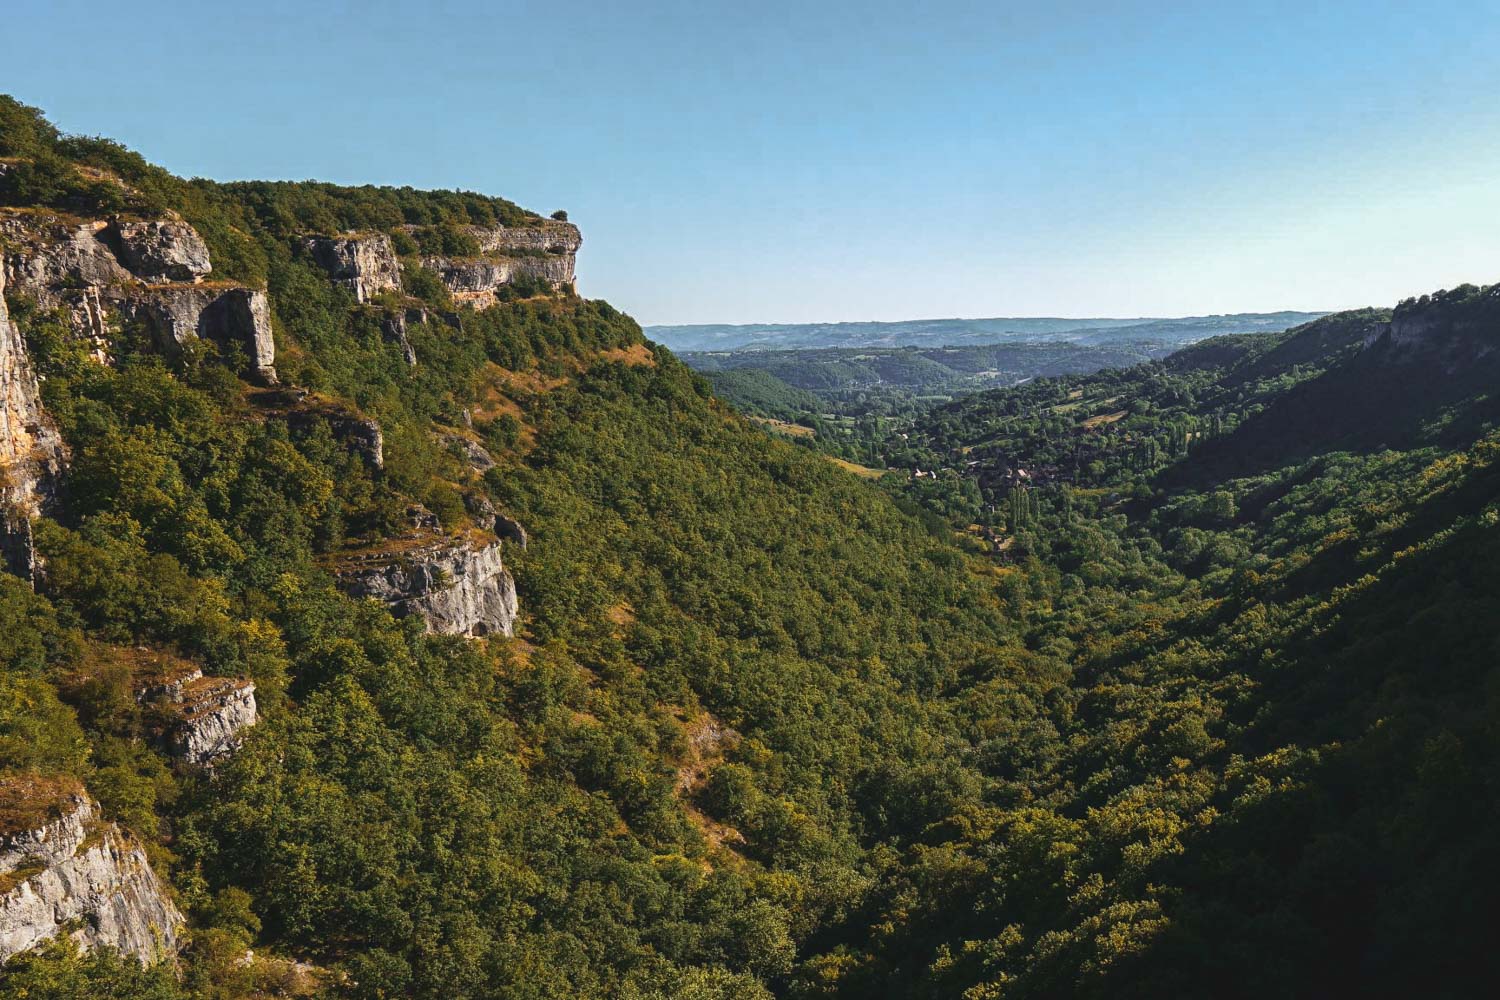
963, 332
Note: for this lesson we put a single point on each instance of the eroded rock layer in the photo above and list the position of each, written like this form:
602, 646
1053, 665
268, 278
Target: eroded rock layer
366, 264
106, 272
65, 870
456, 586
546, 252
31, 450
205, 718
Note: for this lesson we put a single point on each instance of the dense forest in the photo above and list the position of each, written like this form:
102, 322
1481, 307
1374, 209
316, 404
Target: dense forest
1204, 703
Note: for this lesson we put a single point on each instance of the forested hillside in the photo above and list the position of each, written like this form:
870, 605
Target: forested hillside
1211, 710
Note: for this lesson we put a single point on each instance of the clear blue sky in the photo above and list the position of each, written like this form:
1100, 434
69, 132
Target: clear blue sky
769, 161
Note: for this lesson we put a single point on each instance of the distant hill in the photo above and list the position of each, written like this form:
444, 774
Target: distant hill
961, 332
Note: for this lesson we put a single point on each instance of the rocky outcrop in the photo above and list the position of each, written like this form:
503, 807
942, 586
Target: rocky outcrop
364, 437
457, 586
475, 280
176, 315
510, 529
204, 718
550, 236
160, 250
393, 329
31, 450
1451, 329
482, 510
360, 435
546, 253
151, 271
65, 870
49, 256
366, 264
474, 453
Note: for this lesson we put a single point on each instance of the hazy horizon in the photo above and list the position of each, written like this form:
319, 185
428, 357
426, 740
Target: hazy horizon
841, 162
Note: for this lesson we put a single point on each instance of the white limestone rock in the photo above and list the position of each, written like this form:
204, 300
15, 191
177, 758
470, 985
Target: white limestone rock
457, 587
64, 870
365, 264
32, 455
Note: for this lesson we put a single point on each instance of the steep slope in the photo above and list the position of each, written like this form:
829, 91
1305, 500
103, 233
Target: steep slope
1195, 718
1271, 779
429, 815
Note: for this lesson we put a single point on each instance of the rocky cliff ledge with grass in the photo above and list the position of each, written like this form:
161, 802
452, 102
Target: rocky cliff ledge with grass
196, 719
106, 273
457, 584
64, 870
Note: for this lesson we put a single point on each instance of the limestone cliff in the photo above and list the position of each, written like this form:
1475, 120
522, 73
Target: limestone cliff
1453, 334
65, 870
203, 719
549, 236
458, 586
31, 451
365, 264
103, 272
159, 249
546, 252
176, 315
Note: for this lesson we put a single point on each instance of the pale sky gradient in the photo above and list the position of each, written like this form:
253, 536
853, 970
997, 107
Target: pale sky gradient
794, 162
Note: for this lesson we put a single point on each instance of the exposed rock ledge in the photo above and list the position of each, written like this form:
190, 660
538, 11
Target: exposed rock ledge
457, 586
546, 252
366, 264
31, 450
148, 270
205, 717
1452, 338
62, 868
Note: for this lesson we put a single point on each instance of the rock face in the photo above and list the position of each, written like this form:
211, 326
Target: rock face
393, 329
149, 271
474, 453
31, 451
48, 256
1452, 336
546, 252
510, 529
179, 314
457, 587
206, 717
160, 250
303, 412
361, 435
550, 236
365, 264
62, 867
